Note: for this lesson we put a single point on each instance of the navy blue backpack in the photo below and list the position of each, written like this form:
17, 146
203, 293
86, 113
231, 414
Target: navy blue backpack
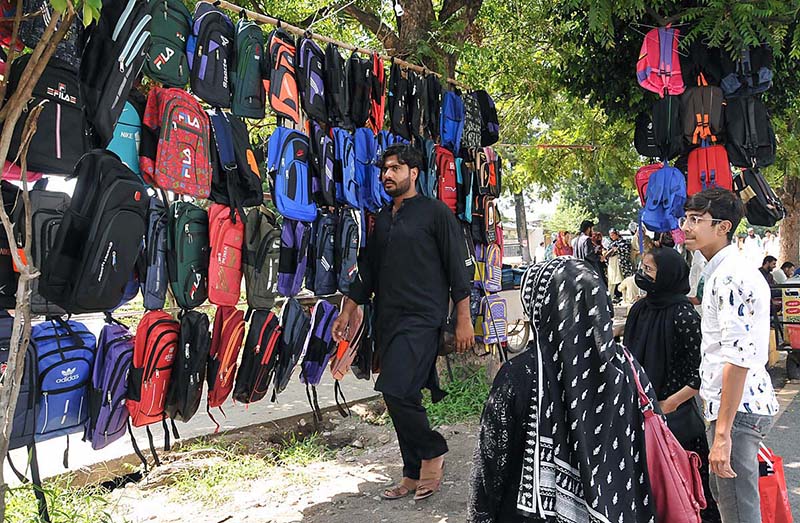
451, 121
348, 191
24, 423
368, 174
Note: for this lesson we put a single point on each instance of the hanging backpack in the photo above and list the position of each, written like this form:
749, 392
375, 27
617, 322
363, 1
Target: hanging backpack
373, 195
236, 180
188, 254
488, 173
490, 124
661, 137
311, 79
128, 132
664, 199
153, 276
108, 414
175, 143
348, 240
397, 102
448, 178
702, 112
12, 202
359, 75
484, 220
226, 342
262, 243
288, 169
491, 325
433, 90
451, 121
428, 177
189, 369
417, 103
751, 140
295, 324
226, 239
295, 237
321, 276
471, 137
61, 136
111, 63
249, 98
32, 29
98, 242
337, 89
708, 167
464, 185
319, 347
659, 68
377, 107
322, 163
259, 357
644, 136
762, 205
210, 50
488, 267
170, 27
348, 191
747, 73
347, 349
23, 424
281, 85
643, 177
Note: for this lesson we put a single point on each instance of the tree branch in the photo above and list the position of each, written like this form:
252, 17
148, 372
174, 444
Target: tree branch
374, 23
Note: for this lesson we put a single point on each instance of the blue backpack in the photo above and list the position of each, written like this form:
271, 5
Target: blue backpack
451, 121
287, 163
153, 274
23, 425
127, 135
664, 199
347, 188
368, 173
464, 185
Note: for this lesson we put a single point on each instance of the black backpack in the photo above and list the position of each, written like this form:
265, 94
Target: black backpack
321, 275
747, 73
359, 75
701, 59
189, 367
111, 63
490, 128
751, 140
337, 89
12, 201
210, 50
762, 205
236, 181
259, 357
662, 135
471, 137
260, 257
417, 103
321, 161
348, 241
433, 91
397, 102
98, 242
310, 69
61, 132
295, 324
32, 29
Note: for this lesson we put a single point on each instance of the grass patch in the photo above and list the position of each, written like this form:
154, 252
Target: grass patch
66, 504
464, 402
303, 452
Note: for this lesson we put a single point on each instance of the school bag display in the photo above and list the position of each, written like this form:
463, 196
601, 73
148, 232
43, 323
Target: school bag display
488, 167
32, 29
170, 27
236, 180
175, 143
448, 178
702, 112
762, 205
348, 240
397, 102
210, 51
471, 136
111, 62
491, 325
189, 368
451, 121
708, 167
747, 73
417, 106
226, 342
188, 253
153, 276
377, 107
485, 219
488, 267
262, 241
664, 199
99, 239
322, 162
128, 132
373, 195
311, 79
337, 89
319, 347
433, 90
490, 124
249, 96
643, 177
659, 68
295, 324
108, 414
347, 189
226, 239
359, 75
61, 132
464, 184
259, 357
12, 201
751, 139
287, 163
281, 83
23, 424
293, 257
321, 275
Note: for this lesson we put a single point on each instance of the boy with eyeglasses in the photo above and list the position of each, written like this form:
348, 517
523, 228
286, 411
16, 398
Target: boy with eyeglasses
739, 400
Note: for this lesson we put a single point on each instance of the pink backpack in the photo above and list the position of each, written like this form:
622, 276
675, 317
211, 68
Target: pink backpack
643, 177
659, 67
226, 237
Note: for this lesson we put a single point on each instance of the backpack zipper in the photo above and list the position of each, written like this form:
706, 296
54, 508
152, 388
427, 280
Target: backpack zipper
123, 19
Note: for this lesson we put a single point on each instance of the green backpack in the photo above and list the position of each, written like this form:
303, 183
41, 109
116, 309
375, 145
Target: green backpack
249, 97
187, 254
169, 29
262, 245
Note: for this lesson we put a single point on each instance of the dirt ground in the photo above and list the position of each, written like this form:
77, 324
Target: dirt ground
341, 489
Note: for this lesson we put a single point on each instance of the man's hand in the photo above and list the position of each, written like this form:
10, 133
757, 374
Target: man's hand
719, 458
340, 326
465, 335
668, 405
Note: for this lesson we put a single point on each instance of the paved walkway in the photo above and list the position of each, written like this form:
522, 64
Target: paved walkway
784, 440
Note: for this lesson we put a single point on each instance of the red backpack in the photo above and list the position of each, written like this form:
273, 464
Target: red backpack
659, 67
378, 103
708, 167
448, 177
643, 176
226, 342
174, 153
226, 238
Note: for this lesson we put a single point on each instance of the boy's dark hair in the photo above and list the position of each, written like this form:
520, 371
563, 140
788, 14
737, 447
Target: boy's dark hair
721, 204
787, 265
769, 259
406, 155
586, 224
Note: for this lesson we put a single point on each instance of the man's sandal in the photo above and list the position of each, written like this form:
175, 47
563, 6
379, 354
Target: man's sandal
399, 491
430, 481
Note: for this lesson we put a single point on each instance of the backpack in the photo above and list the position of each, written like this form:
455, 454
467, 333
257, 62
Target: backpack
348, 191
23, 424
484, 220
661, 136
99, 239
748, 73
319, 347
708, 167
448, 178
488, 171
471, 136
226, 240
32, 29
491, 325
433, 90
288, 169
397, 102
417, 103
664, 199
61, 132
281, 85
643, 177
337, 89
12, 202
348, 240
128, 135
451, 121
751, 140
464, 185
359, 75
659, 68
322, 161
236, 181
321, 275
65, 353
249, 98
153, 276
347, 349
490, 123
262, 243
702, 112
189, 369
488, 267
699, 58
293, 257
373, 195
170, 27
259, 357
311, 79
428, 177
226, 342
295, 324
111, 63
762, 206
175, 148
377, 107
188, 254
108, 414
210, 50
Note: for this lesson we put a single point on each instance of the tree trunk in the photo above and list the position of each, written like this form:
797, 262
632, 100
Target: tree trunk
790, 226
522, 227
603, 223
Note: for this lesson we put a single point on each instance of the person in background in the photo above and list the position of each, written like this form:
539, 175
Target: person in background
581, 244
767, 266
662, 332
772, 244
599, 252
619, 262
753, 249
739, 400
784, 273
538, 254
551, 245
563, 245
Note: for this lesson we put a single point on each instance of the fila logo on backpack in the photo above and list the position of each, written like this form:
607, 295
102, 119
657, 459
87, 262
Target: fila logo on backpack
169, 30
189, 369
659, 68
448, 178
708, 167
188, 253
664, 199
287, 159
210, 53
226, 233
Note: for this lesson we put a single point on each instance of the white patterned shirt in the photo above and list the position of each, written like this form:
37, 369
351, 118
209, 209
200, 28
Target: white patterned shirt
736, 329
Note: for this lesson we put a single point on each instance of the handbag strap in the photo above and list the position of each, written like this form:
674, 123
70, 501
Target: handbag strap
644, 399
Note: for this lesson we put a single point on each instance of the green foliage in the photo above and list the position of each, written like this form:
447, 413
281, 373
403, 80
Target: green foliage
568, 216
304, 451
464, 402
613, 204
89, 9
66, 504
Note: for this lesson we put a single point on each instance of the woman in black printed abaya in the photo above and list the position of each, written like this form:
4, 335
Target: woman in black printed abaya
562, 436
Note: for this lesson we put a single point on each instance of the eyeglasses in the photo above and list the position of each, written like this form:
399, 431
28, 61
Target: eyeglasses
693, 220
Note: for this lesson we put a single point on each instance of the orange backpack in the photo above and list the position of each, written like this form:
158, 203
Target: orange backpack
281, 85
226, 237
226, 342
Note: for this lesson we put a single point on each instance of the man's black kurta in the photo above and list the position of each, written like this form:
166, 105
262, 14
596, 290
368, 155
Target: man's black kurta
414, 263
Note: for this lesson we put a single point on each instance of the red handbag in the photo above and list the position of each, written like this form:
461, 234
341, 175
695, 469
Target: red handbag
674, 472
775, 507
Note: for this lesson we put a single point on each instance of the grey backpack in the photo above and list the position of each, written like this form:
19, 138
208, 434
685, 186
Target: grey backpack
153, 276
348, 241
321, 276
262, 244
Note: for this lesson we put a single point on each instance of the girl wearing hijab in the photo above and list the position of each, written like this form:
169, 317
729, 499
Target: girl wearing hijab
562, 246
562, 433
663, 334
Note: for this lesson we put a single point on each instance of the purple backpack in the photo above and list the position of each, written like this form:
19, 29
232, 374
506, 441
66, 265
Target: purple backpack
293, 257
318, 349
108, 415
311, 79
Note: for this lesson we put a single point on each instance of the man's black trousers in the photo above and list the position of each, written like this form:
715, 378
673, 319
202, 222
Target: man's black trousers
417, 440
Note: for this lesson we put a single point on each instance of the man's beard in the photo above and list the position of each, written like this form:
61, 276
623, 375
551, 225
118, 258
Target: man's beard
399, 189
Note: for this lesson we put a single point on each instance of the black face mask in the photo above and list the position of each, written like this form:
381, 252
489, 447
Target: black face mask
644, 282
